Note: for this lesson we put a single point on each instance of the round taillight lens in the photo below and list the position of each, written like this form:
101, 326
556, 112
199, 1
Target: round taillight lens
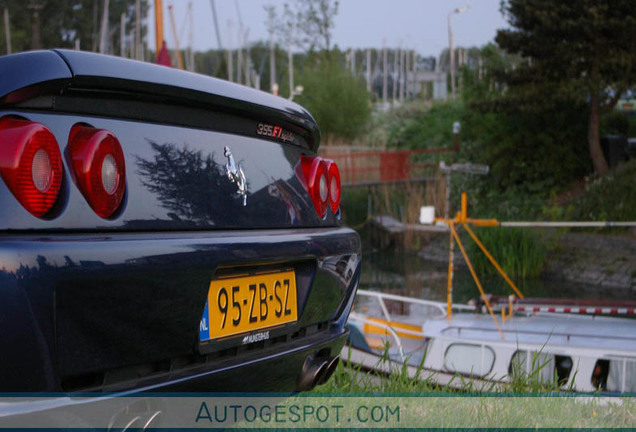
110, 176
324, 191
41, 171
99, 168
334, 185
30, 164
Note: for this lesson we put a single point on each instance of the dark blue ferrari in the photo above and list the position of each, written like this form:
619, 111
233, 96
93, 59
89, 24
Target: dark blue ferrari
162, 230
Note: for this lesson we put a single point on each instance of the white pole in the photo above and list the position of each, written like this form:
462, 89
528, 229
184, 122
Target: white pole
122, 35
407, 73
230, 55
451, 48
272, 65
190, 54
528, 224
239, 58
402, 74
385, 78
248, 60
7, 29
395, 75
369, 70
103, 40
451, 54
353, 62
290, 62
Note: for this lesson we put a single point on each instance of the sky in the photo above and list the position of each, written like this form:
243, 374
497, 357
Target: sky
421, 25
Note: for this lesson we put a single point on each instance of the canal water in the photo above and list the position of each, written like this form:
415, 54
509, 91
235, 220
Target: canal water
409, 275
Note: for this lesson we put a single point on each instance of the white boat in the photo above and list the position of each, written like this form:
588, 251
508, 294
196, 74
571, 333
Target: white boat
581, 353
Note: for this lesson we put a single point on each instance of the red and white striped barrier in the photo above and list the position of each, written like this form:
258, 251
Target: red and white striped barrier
576, 310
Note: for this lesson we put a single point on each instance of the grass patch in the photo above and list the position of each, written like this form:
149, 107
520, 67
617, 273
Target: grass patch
518, 251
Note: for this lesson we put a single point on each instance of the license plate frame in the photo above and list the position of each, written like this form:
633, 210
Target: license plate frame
253, 303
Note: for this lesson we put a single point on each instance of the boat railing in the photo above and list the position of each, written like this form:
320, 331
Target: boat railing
388, 322
380, 296
389, 330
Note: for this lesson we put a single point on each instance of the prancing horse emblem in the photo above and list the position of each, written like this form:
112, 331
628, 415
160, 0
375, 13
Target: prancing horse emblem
236, 175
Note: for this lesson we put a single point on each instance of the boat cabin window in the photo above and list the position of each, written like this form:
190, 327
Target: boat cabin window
470, 359
615, 375
543, 367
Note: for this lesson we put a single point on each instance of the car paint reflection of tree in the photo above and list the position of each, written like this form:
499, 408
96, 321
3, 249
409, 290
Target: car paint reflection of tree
194, 187
189, 184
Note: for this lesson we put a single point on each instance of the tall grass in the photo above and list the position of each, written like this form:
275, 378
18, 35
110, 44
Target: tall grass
518, 251
352, 379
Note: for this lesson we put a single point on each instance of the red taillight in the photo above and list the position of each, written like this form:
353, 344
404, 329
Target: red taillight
322, 180
99, 168
315, 171
30, 164
334, 185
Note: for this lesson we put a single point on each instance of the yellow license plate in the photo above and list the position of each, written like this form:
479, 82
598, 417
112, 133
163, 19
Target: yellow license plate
248, 303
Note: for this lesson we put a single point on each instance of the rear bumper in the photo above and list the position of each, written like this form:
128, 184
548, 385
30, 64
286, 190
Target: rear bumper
258, 375
121, 311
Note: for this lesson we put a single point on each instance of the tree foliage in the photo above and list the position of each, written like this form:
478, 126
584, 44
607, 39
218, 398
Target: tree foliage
304, 24
338, 100
580, 50
62, 22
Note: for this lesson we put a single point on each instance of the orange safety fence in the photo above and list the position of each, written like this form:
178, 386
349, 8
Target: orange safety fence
361, 168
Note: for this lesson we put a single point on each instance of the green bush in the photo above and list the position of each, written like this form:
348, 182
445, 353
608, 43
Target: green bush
610, 198
338, 101
426, 126
534, 150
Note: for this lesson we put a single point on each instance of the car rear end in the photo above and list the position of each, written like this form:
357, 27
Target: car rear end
161, 230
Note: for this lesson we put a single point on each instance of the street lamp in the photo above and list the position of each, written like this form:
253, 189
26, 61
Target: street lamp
451, 48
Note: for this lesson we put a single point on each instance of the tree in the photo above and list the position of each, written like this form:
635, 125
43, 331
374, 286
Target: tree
306, 24
338, 100
583, 50
62, 22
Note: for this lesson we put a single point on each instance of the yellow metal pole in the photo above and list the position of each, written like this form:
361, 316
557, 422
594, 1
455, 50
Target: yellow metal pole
472, 271
483, 222
449, 289
464, 207
158, 25
494, 262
